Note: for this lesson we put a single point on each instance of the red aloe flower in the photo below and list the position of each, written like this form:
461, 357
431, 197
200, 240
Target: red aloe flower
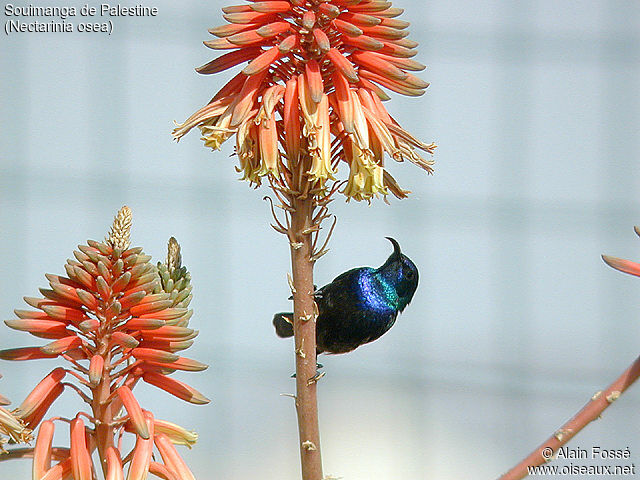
626, 266
312, 93
12, 428
116, 319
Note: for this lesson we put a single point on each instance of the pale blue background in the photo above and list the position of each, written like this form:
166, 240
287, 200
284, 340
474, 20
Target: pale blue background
535, 106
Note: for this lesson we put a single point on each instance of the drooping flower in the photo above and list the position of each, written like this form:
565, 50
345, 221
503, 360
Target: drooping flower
310, 97
12, 428
177, 434
116, 319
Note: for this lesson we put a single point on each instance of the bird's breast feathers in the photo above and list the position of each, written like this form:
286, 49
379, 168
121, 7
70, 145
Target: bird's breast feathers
376, 293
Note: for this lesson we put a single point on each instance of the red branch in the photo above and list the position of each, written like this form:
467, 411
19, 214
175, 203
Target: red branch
590, 412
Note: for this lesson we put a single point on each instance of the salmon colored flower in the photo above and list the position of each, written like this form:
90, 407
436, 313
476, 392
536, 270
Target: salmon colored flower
142, 452
309, 98
42, 453
81, 465
114, 465
12, 428
625, 266
177, 434
172, 460
116, 319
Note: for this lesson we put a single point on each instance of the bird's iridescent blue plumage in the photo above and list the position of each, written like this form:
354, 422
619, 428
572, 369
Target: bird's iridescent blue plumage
360, 305
375, 293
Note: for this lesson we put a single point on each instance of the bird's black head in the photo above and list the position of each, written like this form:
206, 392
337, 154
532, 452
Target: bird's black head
401, 273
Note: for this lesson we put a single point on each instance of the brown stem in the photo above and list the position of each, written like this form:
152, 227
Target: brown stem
103, 410
24, 452
57, 453
304, 328
590, 412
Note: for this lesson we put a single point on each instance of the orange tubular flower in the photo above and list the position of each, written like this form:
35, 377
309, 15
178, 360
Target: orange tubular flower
136, 417
40, 396
116, 318
625, 266
42, 450
311, 92
172, 460
81, 465
60, 471
142, 452
13, 427
177, 434
114, 465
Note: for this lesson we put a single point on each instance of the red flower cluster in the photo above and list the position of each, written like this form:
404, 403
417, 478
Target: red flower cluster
315, 71
116, 319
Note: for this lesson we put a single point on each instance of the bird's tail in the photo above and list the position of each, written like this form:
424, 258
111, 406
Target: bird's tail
283, 321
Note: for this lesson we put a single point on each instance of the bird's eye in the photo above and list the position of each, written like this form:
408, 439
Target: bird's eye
410, 274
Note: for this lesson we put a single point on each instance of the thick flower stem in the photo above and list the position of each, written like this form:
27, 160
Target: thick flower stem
304, 327
103, 411
590, 412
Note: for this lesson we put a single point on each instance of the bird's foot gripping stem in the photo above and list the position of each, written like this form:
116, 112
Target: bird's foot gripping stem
317, 376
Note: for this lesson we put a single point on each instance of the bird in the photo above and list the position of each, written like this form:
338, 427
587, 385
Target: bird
359, 305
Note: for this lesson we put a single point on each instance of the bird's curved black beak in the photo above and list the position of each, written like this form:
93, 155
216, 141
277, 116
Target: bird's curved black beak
396, 247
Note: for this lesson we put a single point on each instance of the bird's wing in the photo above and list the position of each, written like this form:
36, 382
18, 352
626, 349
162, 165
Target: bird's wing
338, 294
